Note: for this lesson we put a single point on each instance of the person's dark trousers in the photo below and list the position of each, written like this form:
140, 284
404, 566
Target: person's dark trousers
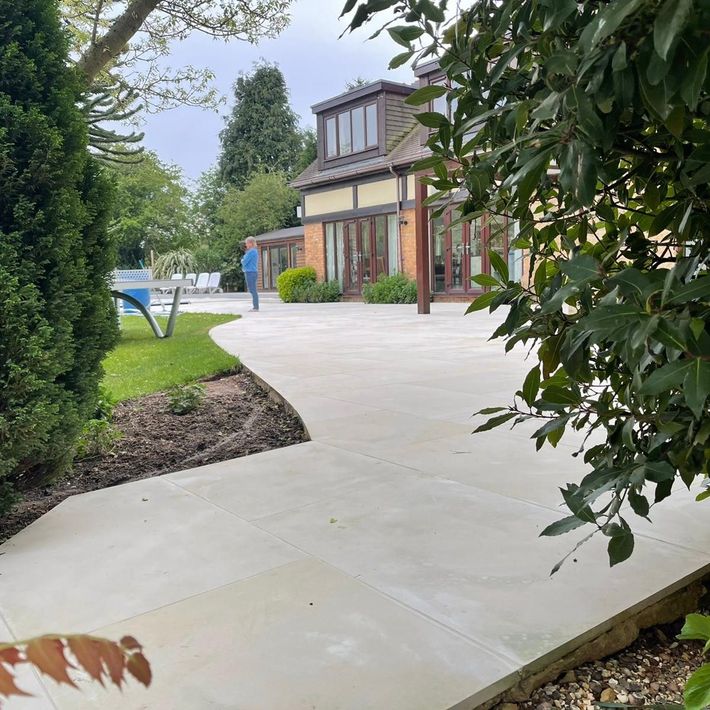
251, 286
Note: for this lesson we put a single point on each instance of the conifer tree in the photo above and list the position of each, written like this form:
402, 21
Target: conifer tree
56, 316
262, 131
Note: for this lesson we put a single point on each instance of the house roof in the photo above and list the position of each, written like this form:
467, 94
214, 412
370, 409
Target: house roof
360, 92
280, 234
404, 154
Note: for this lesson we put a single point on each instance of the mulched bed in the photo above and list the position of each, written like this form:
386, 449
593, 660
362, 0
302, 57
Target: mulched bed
654, 669
236, 418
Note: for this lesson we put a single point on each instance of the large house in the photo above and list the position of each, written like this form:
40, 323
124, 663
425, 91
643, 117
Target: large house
362, 208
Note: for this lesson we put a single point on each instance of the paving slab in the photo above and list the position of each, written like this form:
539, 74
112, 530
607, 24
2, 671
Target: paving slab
391, 562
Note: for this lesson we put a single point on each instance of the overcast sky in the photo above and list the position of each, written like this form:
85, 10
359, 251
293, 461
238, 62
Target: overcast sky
317, 65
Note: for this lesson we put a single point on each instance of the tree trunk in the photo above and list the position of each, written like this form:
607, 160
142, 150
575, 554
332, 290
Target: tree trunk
100, 53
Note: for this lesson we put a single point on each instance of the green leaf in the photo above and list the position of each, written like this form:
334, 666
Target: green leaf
560, 395
696, 386
557, 12
431, 119
606, 22
697, 689
495, 422
581, 268
639, 504
400, 59
695, 290
425, 94
619, 62
548, 108
656, 98
427, 163
669, 335
606, 319
491, 410
696, 628
659, 471
498, 264
578, 171
669, 23
430, 11
485, 280
404, 34
531, 386
693, 81
666, 378
483, 301
560, 527
620, 547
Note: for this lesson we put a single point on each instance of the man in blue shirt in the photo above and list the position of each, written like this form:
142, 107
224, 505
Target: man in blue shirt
250, 266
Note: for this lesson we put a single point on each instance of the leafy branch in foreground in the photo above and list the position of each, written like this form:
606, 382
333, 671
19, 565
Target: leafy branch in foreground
55, 656
591, 133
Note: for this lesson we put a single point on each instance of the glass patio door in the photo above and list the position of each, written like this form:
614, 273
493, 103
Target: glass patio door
352, 271
459, 251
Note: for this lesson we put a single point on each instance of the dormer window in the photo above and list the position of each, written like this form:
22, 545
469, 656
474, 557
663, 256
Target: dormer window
351, 131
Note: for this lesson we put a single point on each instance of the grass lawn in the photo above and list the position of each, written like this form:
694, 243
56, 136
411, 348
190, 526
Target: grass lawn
142, 364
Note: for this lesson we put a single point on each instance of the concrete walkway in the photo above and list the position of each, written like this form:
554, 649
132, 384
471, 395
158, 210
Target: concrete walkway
391, 563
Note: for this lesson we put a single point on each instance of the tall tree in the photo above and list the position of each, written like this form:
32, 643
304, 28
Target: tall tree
151, 212
126, 41
309, 150
262, 130
56, 315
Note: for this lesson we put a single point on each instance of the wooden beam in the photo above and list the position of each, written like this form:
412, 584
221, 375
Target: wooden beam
422, 249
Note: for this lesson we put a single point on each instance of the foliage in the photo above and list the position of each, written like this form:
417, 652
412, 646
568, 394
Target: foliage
289, 280
309, 150
125, 42
54, 655
356, 83
262, 131
183, 399
390, 289
697, 689
110, 104
619, 243
142, 364
151, 212
56, 314
179, 261
313, 292
266, 203
98, 438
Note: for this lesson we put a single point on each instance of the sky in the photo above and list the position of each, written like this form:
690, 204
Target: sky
316, 64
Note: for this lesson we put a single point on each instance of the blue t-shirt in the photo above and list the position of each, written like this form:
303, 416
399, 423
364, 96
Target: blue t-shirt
250, 260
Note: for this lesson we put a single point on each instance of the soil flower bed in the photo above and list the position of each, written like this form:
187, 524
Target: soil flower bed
237, 418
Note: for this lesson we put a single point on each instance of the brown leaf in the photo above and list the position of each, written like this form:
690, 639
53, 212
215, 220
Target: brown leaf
139, 668
47, 654
11, 656
7, 684
130, 644
88, 654
114, 659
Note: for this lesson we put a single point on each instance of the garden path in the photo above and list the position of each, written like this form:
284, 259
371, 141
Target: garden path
391, 563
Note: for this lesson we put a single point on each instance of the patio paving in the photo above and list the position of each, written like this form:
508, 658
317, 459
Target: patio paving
393, 562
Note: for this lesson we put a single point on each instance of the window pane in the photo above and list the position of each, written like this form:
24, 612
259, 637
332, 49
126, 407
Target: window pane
393, 244
371, 114
474, 249
345, 144
294, 255
339, 252
358, 129
438, 231
380, 246
330, 252
265, 281
275, 271
366, 254
331, 138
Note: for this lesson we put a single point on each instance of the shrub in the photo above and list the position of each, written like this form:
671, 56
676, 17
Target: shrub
56, 315
327, 292
184, 399
98, 438
390, 289
179, 261
288, 280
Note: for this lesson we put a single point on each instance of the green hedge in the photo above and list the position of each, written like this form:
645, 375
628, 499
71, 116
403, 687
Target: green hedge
56, 316
390, 289
327, 292
291, 279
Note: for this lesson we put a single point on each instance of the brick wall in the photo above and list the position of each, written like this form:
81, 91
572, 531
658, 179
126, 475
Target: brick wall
314, 249
409, 243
